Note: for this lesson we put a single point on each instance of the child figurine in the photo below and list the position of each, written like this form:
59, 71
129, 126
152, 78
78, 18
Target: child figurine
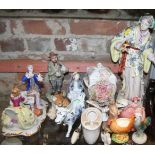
33, 85
56, 73
16, 99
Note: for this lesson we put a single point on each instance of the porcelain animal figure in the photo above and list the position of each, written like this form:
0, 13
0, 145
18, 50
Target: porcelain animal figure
139, 136
68, 115
122, 125
131, 109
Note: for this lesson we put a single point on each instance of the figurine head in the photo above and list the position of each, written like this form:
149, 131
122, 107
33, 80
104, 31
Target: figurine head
135, 99
15, 91
99, 65
146, 22
76, 76
61, 114
53, 57
30, 69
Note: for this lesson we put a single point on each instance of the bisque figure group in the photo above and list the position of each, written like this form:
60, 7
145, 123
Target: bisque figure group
93, 99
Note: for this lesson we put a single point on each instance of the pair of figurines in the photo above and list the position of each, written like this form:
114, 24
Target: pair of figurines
26, 111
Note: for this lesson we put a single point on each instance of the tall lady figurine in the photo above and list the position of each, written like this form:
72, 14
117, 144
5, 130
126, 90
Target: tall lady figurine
133, 50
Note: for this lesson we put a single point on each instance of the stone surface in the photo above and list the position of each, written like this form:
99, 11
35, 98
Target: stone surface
16, 27
66, 44
58, 26
96, 27
2, 27
96, 45
6, 82
39, 44
12, 45
13, 26
36, 27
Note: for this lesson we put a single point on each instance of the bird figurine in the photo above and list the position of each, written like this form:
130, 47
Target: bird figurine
121, 125
139, 136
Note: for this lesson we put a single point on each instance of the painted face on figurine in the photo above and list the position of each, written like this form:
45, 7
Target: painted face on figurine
54, 59
30, 69
144, 25
76, 77
15, 91
99, 65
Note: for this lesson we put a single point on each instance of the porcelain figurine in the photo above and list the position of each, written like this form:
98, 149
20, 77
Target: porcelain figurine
22, 117
113, 110
16, 98
101, 84
19, 118
76, 87
76, 135
69, 114
139, 136
106, 139
66, 109
17, 114
121, 125
56, 71
132, 48
132, 109
57, 100
52, 113
33, 87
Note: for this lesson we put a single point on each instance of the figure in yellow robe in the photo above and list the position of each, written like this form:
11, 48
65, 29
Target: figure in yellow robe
138, 58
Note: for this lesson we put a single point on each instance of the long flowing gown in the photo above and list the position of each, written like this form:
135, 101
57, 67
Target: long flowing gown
136, 60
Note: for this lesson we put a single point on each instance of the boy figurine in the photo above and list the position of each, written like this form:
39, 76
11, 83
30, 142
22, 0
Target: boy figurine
56, 73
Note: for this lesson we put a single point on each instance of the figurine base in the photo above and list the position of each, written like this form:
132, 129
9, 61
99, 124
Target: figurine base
12, 141
16, 131
139, 139
120, 138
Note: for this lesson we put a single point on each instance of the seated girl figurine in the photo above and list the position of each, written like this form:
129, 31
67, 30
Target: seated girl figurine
16, 98
17, 115
33, 85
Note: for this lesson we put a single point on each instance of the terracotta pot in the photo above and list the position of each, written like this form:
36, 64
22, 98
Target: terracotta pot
91, 120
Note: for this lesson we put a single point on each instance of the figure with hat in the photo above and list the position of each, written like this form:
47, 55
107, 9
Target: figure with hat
132, 48
56, 72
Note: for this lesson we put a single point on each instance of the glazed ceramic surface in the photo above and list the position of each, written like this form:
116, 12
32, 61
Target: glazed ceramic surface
91, 120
